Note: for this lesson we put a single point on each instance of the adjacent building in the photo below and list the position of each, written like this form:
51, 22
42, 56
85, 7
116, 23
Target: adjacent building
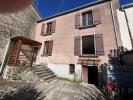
125, 19
77, 42
20, 23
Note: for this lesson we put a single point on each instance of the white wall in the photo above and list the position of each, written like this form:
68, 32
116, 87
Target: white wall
62, 70
126, 41
129, 12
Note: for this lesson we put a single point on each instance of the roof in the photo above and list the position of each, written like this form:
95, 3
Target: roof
26, 41
75, 9
127, 6
36, 10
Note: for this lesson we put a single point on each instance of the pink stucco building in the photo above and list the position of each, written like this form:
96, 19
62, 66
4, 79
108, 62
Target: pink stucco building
77, 41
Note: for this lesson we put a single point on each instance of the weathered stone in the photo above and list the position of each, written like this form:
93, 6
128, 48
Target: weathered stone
18, 23
20, 73
63, 90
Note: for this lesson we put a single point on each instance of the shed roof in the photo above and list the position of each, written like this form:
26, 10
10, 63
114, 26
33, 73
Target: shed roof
26, 41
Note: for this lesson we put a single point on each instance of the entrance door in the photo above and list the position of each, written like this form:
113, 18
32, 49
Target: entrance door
93, 75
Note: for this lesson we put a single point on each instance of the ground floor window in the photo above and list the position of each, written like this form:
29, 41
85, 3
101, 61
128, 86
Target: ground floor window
71, 68
48, 46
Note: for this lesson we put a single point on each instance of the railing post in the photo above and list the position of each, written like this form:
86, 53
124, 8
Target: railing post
18, 51
10, 51
32, 59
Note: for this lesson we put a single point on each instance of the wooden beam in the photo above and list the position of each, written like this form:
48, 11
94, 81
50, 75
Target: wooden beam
18, 51
32, 59
10, 51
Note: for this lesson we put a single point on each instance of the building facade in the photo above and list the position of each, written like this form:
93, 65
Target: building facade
125, 19
76, 42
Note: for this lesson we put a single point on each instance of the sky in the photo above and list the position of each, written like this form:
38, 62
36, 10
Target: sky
48, 8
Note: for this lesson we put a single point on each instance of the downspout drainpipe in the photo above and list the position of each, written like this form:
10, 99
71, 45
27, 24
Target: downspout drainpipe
130, 34
114, 25
4, 59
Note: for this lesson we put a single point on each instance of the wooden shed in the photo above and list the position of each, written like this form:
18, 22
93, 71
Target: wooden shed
22, 51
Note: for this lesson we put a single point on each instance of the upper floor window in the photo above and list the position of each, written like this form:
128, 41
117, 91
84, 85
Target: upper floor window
49, 28
87, 18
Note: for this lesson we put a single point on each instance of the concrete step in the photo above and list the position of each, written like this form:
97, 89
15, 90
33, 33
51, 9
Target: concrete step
51, 79
42, 72
39, 70
45, 74
42, 64
48, 77
39, 67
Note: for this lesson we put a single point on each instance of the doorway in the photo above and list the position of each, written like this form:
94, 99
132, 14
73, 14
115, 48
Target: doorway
93, 75
90, 75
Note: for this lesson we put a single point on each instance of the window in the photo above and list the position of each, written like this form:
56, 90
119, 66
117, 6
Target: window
88, 46
87, 18
49, 28
45, 51
71, 68
48, 45
91, 44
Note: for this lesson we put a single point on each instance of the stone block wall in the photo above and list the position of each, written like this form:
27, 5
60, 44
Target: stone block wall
18, 23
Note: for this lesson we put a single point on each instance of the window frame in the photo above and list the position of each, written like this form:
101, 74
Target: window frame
47, 30
85, 12
45, 52
71, 68
82, 45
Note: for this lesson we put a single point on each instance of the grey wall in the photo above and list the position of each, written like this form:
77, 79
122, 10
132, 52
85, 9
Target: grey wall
17, 23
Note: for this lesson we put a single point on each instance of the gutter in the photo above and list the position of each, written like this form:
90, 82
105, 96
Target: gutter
128, 26
114, 24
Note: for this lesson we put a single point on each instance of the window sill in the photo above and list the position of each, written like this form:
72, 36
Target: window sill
89, 26
89, 55
47, 34
44, 55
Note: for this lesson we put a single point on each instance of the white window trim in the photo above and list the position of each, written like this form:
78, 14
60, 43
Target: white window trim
81, 18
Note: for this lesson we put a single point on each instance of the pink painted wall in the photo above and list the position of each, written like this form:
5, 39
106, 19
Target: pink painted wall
85, 74
63, 38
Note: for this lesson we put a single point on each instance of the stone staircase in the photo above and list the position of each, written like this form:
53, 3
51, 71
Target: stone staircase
44, 73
